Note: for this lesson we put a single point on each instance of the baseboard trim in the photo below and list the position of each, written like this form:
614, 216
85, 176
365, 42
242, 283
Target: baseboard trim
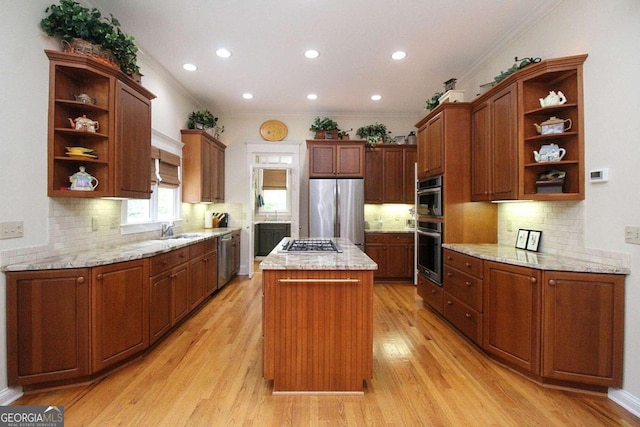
625, 399
10, 395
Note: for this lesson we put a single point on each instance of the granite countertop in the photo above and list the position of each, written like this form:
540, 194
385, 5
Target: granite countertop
351, 258
388, 230
537, 260
119, 253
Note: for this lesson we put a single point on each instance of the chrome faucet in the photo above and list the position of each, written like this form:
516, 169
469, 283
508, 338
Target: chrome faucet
167, 230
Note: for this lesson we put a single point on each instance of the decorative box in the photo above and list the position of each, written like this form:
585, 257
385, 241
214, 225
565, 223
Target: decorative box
452, 96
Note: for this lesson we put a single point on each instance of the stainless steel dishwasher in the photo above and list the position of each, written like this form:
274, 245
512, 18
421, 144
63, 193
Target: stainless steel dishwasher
224, 259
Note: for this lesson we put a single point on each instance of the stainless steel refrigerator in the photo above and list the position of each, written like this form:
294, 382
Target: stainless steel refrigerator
336, 209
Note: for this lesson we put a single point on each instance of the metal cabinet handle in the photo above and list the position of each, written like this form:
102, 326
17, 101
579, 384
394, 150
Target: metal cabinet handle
467, 315
533, 280
552, 282
467, 264
449, 275
80, 279
449, 302
319, 280
433, 291
467, 283
99, 276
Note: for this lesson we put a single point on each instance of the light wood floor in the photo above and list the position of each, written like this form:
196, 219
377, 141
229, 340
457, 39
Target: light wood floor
209, 373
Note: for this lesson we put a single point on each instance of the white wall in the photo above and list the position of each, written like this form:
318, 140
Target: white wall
609, 33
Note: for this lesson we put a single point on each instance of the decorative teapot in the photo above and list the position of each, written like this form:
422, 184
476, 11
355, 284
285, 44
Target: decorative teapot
549, 153
553, 99
85, 98
553, 125
82, 181
84, 124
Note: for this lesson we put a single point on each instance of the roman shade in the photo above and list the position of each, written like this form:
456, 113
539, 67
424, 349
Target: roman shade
274, 179
164, 167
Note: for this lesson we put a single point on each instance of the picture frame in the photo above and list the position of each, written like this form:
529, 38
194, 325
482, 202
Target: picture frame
533, 241
522, 239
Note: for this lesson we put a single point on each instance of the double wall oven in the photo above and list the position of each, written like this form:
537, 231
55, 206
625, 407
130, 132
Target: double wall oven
429, 228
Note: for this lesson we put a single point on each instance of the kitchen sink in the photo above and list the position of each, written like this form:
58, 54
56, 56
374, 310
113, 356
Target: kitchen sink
182, 236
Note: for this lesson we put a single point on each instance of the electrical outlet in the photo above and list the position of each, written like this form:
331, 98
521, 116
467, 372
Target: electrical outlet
509, 225
115, 222
632, 234
94, 224
11, 230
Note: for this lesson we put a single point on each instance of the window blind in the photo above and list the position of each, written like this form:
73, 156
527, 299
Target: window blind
164, 167
274, 179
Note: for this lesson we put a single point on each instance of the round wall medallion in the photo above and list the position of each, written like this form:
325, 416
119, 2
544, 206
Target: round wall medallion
273, 130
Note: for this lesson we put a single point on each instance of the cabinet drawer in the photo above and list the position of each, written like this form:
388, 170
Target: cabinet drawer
465, 263
196, 250
431, 293
466, 288
211, 245
374, 238
162, 262
388, 238
463, 317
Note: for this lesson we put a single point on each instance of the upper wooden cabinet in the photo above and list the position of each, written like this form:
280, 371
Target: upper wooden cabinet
431, 134
203, 161
389, 174
505, 136
122, 109
336, 159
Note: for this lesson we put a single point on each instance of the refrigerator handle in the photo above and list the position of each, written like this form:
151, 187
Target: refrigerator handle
336, 228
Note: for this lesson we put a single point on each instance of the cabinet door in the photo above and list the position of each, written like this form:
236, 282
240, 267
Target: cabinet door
512, 314
373, 175
197, 280
583, 318
350, 161
220, 174
481, 158
322, 160
132, 143
410, 158
120, 316
212, 272
47, 325
378, 253
180, 288
207, 175
435, 145
431, 293
504, 137
235, 252
159, 306
393, 175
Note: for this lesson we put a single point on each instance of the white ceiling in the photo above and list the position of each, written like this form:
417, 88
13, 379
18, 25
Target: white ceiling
267, 38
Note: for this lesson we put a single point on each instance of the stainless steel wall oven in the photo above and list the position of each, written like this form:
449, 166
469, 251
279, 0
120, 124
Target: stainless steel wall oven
429, 249
429, 197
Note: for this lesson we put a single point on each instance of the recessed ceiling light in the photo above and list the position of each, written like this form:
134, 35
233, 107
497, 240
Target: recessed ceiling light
312, 96
376, 97
399, 55
223, 53
189, 67
247, 95
312, 54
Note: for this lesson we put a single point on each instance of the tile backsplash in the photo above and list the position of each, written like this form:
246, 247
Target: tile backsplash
387, 216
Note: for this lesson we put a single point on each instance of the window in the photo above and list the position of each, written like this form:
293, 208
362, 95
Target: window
164, 204
274, 195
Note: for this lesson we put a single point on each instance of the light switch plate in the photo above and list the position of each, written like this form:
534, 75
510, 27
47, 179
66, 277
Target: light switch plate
11, 230
632, 234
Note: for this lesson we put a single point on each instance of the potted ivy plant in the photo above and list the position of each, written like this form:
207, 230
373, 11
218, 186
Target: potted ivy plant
325, 128
202, 119
87, 31
374, 134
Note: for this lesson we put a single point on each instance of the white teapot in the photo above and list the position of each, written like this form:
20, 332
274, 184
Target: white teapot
83, 181
549, 153
553, 99
84, 124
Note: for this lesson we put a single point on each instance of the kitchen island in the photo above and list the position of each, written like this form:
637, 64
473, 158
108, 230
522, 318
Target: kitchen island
317, 319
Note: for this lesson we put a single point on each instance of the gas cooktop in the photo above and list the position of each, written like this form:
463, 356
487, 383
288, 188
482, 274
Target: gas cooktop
310, 246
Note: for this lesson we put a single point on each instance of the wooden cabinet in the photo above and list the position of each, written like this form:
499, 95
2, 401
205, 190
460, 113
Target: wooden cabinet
268, 235
495, 147
393, 252
389, 174
318, 329
203, 167
431, 294
431, 141
338, 159
211, 258
583, 328
122, 109
235, 252
463, 288
47, 325
505, 137
512, 314
197, 274
119, 312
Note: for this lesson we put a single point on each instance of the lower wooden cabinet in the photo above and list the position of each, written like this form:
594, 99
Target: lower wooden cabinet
560, 328
47, 325
583, 328
393, 252
119, 312
512, 314
197, 274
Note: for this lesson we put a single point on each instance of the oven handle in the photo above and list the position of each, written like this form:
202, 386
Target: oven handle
430, 233
432, 190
